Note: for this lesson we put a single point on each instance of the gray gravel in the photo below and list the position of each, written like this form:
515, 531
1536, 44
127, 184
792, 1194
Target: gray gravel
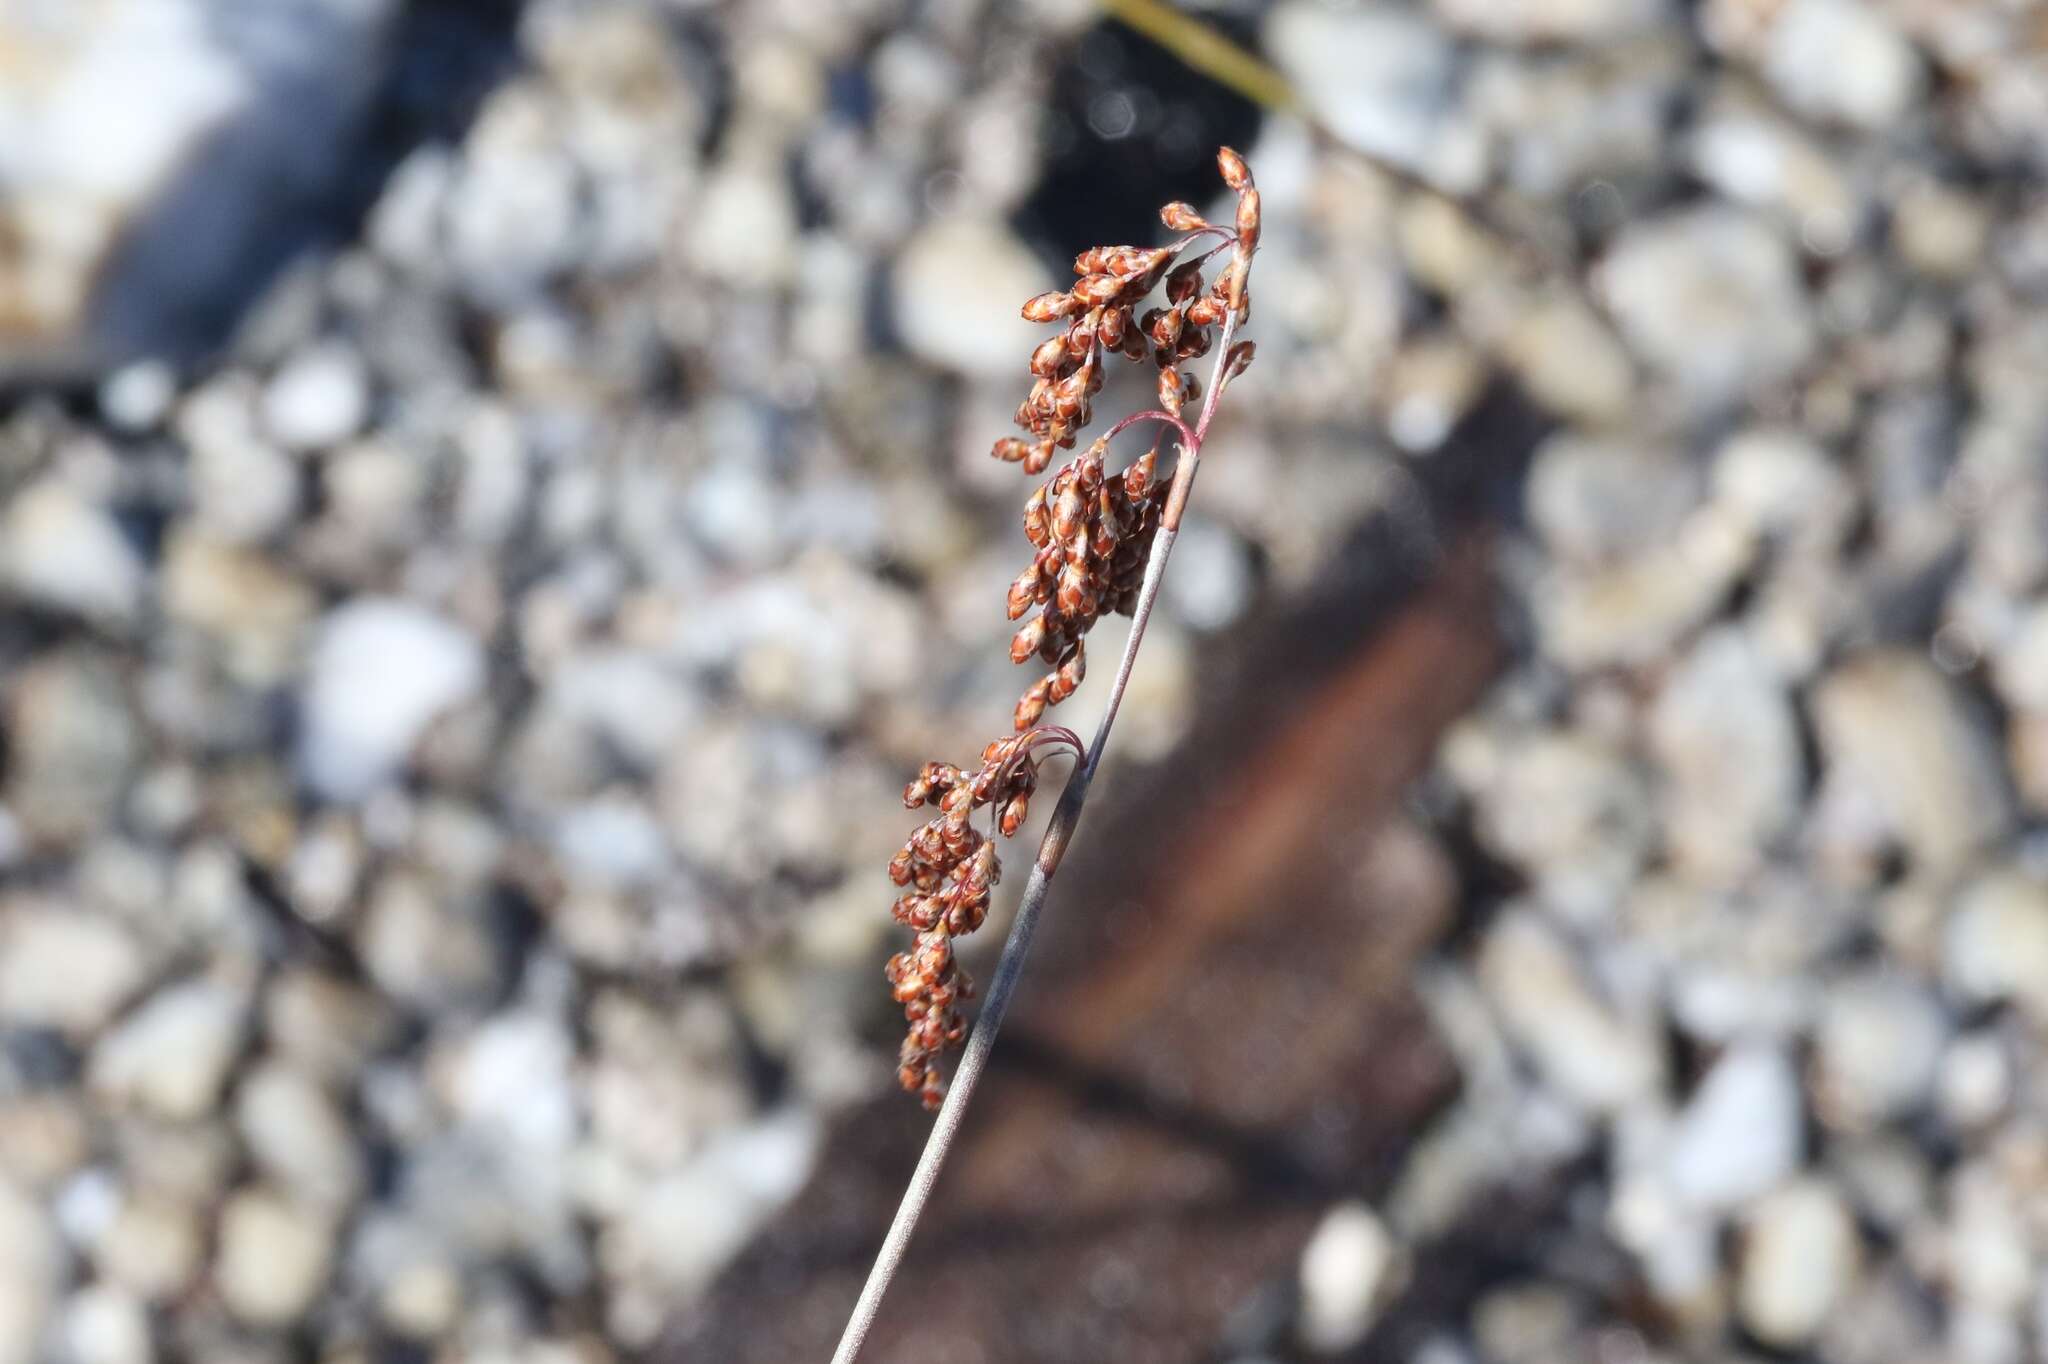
450, 733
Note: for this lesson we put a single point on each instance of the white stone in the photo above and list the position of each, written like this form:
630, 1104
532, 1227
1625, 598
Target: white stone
1574, 815
106, 1326
1896, 733
273, 1257
1211, 582
511, 1080
1976, 1081
152, 1248
243, 488
511, 213
63, 967
958, 285
612, 842
2020, 663
1784, 484
29, 1265
137, 397
1724, 730
1600, 1057
1552, 21
171, 1056
1739, 1133
1842, 60
381, 671
320, 397
1348, 1267
744, 227
1712, 297
1995, 943
682, 1228
1879, 1047
65, 553
1382, 80
1991, 1261
297, 1134
1602, 499
1799, 1261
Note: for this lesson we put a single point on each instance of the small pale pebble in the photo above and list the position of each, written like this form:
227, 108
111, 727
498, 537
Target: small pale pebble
61, 967
1976, 1080
152, 1248
319, 398
1799, 1259
1600, 1057
1739, 1134
273, 1257
1879, 1048
138, 396
297, 1134
1995, 943
104, 1325
171, 1056
65, 553
1348, 1268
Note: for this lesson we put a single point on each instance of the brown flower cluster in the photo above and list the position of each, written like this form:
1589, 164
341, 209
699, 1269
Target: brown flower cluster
1092, 530
1093, 533
950, 867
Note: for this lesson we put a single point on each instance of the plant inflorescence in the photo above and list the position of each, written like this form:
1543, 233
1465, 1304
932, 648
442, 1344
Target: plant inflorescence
1093, 531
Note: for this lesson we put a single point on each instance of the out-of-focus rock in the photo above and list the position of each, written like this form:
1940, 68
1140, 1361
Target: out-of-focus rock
132, 233
1600, 1056
1896, 738
1725, 731
64, 968
274, 1255
1384, 81
1800, 1255
1712, 298
62, 552
170, 1057
381, 670
1739, 1134
958, 284
1349, 1267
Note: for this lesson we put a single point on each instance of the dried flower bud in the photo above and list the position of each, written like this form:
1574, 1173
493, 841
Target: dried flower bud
1010, 449
1097, 290
1239, 359
1169, 389
1047, 359
1235, 173
1185, 282
1050, 307
1248, 221
1039, 457
1024, 591
1025, 642
1116, 322
1032, 704
1180, 217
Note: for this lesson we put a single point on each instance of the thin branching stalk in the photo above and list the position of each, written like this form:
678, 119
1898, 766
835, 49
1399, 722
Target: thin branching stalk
1051, 848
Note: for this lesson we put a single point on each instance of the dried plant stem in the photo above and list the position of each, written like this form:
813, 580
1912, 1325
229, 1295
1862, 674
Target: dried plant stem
1051, 848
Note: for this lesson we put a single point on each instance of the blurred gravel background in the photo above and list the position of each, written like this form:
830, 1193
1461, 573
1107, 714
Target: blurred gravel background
494, 502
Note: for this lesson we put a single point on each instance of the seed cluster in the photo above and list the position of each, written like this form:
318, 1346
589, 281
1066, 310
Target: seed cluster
1092, 531
950, 867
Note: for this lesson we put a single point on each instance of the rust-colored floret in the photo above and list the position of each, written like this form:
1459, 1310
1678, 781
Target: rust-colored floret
1091, 530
